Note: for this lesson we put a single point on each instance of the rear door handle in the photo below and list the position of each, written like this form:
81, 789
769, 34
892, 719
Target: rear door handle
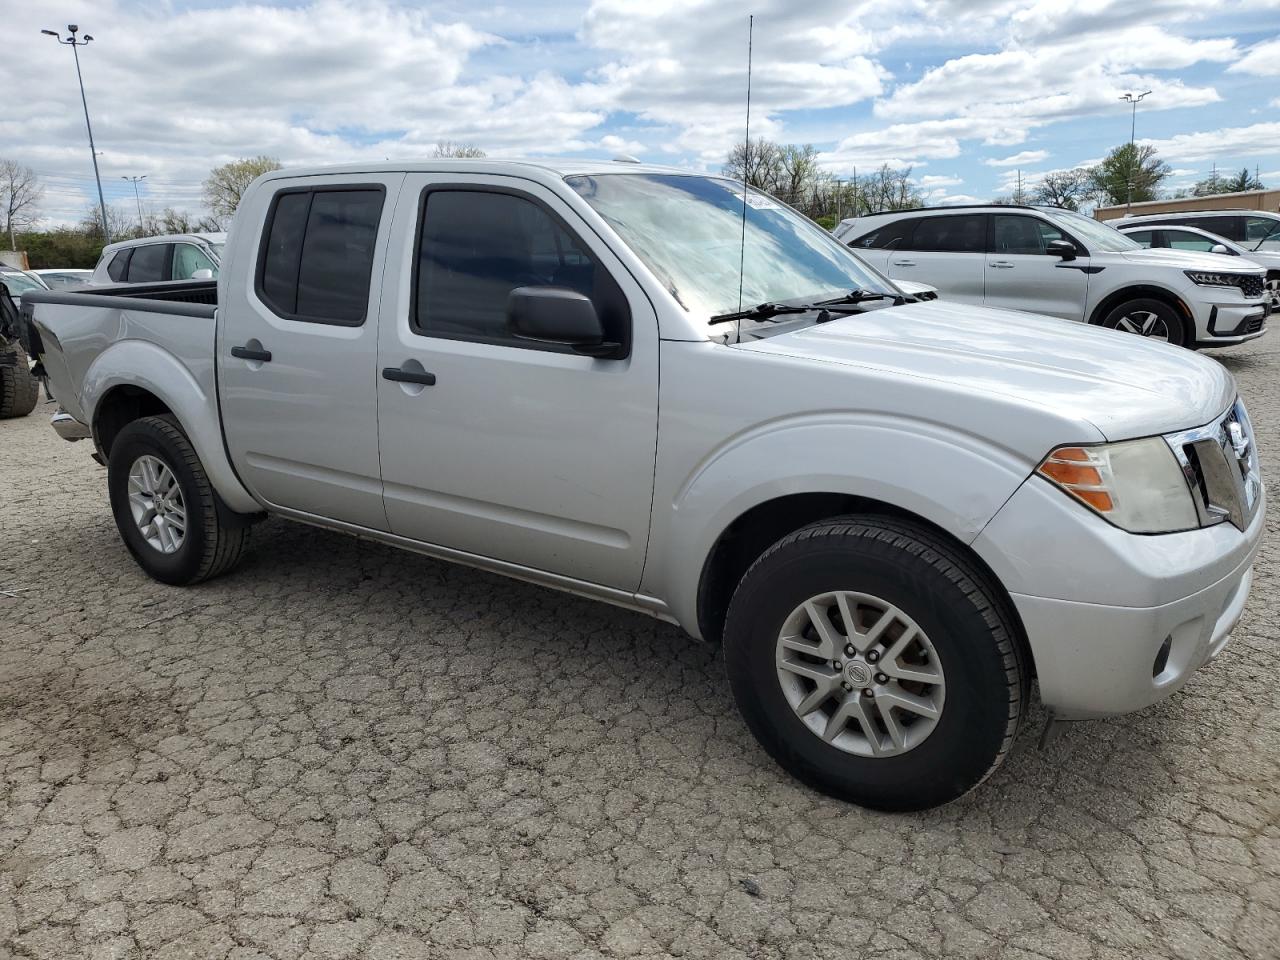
904, 263
248, 353
409, 376
1001, 264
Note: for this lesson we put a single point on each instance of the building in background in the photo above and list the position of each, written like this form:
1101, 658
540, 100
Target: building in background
1245, 200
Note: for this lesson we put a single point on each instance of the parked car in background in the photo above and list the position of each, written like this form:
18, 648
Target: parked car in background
19, 282
893, 514
62, 278
1060, 263
1254, 230
1181, 237
186, 256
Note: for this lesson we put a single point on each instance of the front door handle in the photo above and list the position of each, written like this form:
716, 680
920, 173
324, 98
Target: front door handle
409, 376
1001, 264
248, 353
904, 263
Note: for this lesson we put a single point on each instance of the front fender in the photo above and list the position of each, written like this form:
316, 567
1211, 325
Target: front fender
955, 481
149, 367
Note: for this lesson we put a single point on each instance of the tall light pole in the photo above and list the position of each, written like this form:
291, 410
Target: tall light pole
75, 45
1133, 157
134, 181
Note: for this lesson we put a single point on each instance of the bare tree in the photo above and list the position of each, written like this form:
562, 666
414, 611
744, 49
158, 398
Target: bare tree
758, 162
20, 194
1064, 188
226, 184
121, 221
452, 148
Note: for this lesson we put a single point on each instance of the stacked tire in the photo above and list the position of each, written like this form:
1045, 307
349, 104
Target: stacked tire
19, 390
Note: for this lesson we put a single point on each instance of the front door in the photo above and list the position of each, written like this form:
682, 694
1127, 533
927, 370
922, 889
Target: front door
524, 452
1023, 275
298, 347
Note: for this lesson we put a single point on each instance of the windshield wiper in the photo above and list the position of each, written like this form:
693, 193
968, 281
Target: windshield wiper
762, 311
861, 296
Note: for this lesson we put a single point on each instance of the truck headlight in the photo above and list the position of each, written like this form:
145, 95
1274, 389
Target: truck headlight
1135, 484
1207, 278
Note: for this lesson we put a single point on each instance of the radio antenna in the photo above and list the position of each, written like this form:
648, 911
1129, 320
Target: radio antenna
746, 162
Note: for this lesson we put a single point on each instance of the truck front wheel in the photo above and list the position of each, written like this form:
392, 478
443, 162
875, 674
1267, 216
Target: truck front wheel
165, 508
875, 662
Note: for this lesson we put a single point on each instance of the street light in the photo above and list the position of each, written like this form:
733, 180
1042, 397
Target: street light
1133, 127
134, 181
75, 45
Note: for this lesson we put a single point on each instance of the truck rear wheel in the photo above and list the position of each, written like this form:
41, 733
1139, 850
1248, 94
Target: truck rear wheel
19, 390
165, 508
876, 663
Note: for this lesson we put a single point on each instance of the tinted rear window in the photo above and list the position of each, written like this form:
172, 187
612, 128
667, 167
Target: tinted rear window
317, 259
891, 236
119, 264
957, 234
149, 263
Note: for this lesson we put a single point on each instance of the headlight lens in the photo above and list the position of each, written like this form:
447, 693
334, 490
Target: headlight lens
1208, 279
1135, 484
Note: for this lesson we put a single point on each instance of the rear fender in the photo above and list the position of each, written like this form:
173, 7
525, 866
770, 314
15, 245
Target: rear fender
146, 366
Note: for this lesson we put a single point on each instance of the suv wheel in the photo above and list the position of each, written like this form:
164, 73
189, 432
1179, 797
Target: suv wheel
875, 662
1149, 318
165, 508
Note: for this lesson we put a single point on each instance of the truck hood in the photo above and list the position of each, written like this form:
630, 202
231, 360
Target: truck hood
1191, 260
1119, 383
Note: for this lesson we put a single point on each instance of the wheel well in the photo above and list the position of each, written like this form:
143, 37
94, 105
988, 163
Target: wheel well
120, 407
1113, 300
765, 524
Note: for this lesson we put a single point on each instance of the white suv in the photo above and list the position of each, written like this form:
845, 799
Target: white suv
180, 256
1055, 262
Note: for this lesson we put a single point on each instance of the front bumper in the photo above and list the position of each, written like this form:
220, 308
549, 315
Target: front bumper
1231, 320
1099, 604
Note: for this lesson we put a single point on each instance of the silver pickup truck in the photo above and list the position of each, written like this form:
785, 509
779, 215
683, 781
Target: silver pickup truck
642, 386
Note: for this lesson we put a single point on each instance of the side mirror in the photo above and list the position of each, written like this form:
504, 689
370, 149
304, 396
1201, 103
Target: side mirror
1219, 248
1061, 248
559, 315
204, 273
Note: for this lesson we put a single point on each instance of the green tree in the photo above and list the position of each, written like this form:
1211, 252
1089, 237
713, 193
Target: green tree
226, 184
1235, 183
1135, 165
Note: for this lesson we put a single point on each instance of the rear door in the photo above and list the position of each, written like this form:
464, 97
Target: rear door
1023, 275
946, 252
298, 346
523, 452
879, 244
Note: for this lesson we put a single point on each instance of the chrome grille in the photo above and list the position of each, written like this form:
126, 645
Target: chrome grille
1220, 463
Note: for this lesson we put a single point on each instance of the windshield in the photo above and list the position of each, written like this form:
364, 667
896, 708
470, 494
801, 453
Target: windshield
689, 231
1096, 236
20, 282
1263, 233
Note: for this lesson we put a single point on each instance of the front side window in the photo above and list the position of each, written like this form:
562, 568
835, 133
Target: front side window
187, 259
1230, 227
149, 263
1181, 240
1097, 237
1017, 233
1144, 237
961, 233
689, 231
316, 259
475, 247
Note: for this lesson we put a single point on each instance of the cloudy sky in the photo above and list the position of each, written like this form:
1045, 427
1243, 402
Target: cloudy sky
968, 92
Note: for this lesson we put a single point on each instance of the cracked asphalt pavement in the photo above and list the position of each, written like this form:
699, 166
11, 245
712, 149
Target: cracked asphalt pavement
341, 750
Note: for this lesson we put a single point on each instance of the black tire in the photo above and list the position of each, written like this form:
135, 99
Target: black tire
969, 623
1168, 319
211, 545
19, 390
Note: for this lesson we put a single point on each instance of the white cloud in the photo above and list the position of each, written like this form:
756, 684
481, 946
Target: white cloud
1254, 140
1262, 60
1026, 156
938, 182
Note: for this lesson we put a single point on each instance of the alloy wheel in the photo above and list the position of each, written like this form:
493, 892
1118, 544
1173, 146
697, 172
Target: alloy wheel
155, 500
